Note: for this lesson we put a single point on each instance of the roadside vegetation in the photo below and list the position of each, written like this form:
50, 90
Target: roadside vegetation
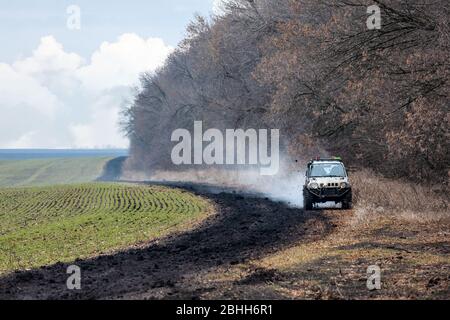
45, 225
377, 197
377, 98
413, 256
401, 227
312, 68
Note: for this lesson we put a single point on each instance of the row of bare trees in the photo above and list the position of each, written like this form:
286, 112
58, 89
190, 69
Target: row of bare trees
379, 98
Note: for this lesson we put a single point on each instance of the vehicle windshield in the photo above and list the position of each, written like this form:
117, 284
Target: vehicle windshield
327, 170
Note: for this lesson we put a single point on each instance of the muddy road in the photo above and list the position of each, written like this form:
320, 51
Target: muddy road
245, 227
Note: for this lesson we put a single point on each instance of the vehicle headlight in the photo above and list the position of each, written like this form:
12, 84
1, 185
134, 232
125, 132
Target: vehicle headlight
313, 185
344, 185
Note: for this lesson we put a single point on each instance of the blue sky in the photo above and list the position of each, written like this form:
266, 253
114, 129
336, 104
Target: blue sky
24, 22
65, 88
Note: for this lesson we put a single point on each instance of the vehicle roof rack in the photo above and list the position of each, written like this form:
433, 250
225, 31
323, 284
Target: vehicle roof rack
327, 159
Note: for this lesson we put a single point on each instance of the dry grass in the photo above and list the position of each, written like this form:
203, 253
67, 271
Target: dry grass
376, 196
401, 227
412, 255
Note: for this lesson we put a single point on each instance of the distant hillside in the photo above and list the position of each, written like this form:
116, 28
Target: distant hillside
27, 154
41, 172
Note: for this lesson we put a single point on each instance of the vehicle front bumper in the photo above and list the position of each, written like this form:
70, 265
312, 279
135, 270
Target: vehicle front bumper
329, 194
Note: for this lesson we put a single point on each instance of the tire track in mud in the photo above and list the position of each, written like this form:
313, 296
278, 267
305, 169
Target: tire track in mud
245, 227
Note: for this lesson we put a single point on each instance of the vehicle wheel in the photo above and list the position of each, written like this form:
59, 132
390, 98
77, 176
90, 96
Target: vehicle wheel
347, 203
307, 201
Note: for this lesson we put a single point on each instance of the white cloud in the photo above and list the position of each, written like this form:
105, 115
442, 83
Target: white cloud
18, 89
55, 99
49, 57
121, 62
24, 141
101, 131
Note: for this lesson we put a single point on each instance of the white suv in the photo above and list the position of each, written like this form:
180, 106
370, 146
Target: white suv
327, 180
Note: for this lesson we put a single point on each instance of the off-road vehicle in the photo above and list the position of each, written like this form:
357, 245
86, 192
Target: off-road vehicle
326, 181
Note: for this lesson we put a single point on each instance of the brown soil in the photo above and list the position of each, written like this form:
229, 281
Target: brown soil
255, 248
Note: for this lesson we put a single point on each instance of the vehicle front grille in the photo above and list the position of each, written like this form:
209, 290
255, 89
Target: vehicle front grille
333, 184
329, 185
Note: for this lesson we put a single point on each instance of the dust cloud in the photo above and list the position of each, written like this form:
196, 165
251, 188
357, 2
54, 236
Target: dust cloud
286, 186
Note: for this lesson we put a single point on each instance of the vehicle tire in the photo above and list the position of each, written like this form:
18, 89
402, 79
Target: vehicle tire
347, 203
307, 201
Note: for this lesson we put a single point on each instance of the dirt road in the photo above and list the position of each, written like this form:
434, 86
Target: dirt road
257, 248
246, 227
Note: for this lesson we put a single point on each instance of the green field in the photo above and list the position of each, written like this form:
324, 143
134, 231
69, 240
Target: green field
42, 172
44, 225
